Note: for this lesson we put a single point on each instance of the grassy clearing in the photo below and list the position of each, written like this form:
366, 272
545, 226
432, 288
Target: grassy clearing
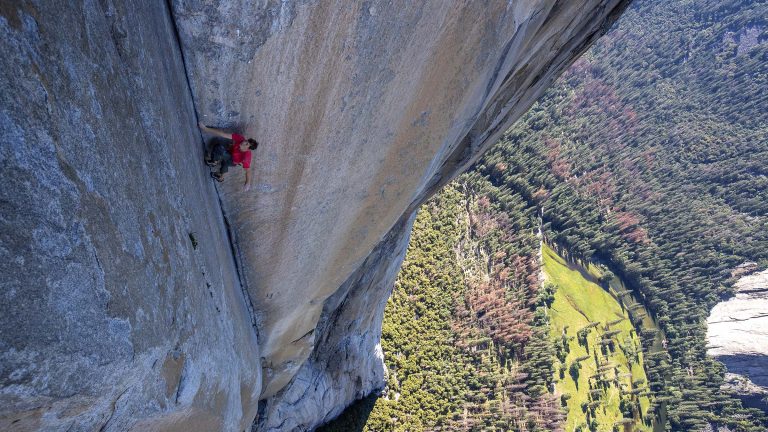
604, 375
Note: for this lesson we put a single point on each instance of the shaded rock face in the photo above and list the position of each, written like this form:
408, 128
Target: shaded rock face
347, 362
127, 302
109, 316
363, 110
737, 335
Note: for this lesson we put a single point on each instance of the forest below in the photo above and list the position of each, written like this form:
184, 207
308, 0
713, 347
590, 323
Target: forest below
648, 156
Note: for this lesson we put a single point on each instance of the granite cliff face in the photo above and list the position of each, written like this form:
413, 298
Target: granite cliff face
737, 335
121, 307
138, 297
360, 121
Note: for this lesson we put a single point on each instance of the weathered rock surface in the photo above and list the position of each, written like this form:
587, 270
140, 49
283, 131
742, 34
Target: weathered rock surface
122, 306
110, 319
737, 335
347, 362
363, 110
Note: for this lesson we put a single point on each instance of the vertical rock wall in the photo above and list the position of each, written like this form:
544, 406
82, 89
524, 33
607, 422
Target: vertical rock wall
122, 306
363, 110
347, 362
111, 317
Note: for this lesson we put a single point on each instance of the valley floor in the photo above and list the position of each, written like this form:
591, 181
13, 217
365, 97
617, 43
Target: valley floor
600, 373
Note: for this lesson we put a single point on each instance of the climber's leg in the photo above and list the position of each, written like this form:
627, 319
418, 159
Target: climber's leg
226, 162
215, 151
208, 158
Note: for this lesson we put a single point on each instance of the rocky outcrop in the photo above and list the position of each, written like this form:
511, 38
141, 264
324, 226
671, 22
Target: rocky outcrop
129, 300
737, 335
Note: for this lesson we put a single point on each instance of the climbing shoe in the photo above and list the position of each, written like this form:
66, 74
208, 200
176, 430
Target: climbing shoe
217, 176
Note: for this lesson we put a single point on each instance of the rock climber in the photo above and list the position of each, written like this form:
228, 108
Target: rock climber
228, 154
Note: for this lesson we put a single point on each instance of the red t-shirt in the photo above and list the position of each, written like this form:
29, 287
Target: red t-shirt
239, 156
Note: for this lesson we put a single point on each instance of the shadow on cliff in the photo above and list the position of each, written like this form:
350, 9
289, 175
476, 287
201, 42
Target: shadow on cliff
752, 366
353, 418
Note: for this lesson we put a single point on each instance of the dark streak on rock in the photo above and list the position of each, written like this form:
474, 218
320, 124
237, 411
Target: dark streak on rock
113, 409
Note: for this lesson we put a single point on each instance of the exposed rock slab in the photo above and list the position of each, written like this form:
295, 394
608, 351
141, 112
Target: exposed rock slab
110, 318
737, 335
347, 362
363, 109
122, 306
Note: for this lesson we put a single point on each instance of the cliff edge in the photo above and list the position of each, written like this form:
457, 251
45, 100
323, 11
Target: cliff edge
737, 335
137, 296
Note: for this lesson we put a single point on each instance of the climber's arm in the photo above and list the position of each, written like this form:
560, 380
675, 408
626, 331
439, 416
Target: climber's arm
213, 131
247, 184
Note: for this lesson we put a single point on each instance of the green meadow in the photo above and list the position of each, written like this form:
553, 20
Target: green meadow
599, 370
